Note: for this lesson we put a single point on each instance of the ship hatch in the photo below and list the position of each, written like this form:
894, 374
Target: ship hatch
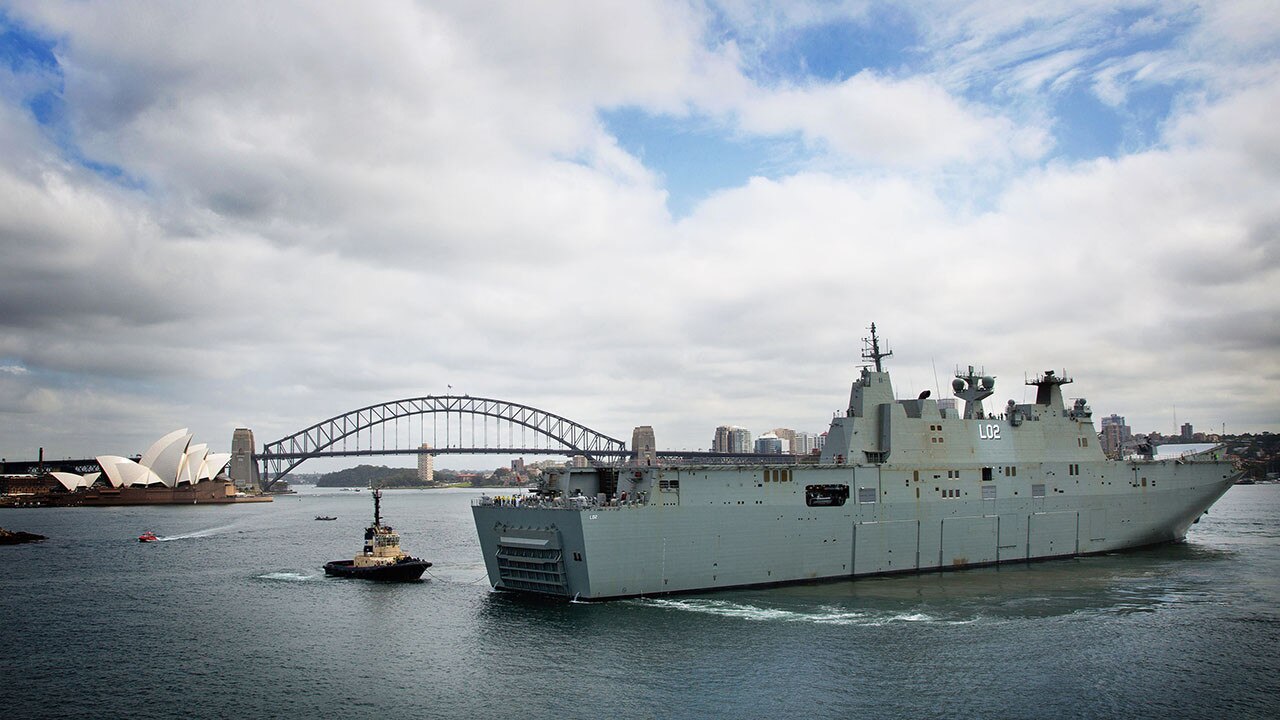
608, 481
532, 560
826, 495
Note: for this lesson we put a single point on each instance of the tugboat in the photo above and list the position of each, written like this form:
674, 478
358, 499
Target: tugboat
147, 536
381, 558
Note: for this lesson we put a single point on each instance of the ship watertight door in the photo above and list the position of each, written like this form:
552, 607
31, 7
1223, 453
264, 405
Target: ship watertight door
532, 559
867, 493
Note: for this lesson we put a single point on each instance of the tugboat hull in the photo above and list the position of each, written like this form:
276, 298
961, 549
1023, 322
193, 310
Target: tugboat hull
403, 571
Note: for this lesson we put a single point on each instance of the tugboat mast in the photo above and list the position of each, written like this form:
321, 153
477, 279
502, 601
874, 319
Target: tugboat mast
871, 349
377, 507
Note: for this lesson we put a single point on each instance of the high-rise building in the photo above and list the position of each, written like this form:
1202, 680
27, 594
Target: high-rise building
732, 439
769, 444
805, 443
1187, 434
426, 464
644, 446
721, 441
1115, 434
788, 438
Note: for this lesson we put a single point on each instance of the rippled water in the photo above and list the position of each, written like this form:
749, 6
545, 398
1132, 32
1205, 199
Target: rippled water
231, 616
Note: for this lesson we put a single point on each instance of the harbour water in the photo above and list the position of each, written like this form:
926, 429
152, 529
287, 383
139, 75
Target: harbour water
231, 615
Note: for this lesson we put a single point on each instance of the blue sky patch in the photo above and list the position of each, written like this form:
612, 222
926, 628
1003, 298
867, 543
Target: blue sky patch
20, 49
697, 156
884, 41
1086, 128
27, 53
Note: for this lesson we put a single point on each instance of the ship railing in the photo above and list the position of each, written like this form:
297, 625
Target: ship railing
557, 503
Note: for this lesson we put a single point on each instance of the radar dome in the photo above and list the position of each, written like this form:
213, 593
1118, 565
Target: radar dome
987, 382
957, 385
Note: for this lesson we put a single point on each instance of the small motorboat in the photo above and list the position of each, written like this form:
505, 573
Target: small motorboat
147, 536
381, 558
326, 517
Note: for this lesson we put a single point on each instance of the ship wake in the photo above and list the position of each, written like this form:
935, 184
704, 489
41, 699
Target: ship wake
197, 533
286, 576
823, 615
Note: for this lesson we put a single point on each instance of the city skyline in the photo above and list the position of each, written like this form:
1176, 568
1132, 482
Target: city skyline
627, 214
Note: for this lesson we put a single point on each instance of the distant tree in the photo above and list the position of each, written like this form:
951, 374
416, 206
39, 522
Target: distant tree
364, 475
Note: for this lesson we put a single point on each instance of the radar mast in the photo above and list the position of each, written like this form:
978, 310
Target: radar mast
871, 349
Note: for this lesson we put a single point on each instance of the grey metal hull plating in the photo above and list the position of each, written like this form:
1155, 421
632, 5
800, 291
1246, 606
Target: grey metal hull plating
728, 527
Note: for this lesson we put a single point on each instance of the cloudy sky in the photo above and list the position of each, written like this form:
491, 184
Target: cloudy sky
229, 214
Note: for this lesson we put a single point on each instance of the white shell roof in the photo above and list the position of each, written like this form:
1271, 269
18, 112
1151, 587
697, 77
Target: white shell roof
110, 465
169, 461
213, 464
70, 481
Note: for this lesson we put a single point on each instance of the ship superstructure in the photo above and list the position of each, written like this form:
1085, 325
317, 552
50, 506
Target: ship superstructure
900, 486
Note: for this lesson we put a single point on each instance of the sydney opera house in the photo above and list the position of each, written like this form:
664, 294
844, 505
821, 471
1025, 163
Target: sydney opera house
171, 471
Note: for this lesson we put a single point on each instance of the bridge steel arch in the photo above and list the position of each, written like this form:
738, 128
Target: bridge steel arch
320, 440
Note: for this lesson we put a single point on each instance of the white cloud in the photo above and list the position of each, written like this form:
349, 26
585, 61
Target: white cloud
895, 123
363, 204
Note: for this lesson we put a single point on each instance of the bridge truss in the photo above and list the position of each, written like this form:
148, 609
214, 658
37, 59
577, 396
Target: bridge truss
457, 425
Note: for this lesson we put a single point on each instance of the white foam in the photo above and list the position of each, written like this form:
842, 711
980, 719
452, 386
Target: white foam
288, 576
823, 616
197, 533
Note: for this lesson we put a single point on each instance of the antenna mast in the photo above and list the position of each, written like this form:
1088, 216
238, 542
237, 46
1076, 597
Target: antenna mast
871, 349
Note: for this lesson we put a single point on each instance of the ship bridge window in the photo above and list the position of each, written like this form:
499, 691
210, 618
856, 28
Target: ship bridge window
986, 474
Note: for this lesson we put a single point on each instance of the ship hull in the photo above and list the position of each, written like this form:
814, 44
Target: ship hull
733, 529
405, 571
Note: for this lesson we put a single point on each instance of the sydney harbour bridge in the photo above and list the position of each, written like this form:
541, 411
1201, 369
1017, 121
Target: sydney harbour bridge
461, 425
431, 425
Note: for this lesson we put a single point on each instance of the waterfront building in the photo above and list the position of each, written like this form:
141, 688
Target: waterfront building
1187, 434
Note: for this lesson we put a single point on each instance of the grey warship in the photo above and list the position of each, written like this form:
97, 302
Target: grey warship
901, 486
